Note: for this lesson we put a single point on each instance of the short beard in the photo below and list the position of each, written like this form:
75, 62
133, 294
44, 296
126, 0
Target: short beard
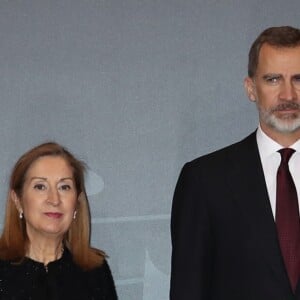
287, 124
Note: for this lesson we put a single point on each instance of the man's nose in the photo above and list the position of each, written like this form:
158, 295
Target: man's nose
287, 91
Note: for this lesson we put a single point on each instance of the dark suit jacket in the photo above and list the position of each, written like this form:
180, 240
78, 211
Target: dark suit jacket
224, 237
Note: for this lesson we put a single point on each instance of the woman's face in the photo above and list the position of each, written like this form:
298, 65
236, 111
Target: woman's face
48, 199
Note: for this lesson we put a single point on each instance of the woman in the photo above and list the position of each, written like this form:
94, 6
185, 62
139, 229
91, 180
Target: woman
44, 248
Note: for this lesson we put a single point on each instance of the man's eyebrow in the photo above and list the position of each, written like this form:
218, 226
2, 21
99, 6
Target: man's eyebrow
268, 75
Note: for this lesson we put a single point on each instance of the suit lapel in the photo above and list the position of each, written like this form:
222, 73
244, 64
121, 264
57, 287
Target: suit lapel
252, 198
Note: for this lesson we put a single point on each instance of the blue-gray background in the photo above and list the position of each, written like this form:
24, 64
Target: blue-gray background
135, 88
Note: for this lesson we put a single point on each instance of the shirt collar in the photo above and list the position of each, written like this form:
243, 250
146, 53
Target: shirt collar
267, 146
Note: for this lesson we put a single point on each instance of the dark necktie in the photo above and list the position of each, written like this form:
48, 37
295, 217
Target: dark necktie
287, 218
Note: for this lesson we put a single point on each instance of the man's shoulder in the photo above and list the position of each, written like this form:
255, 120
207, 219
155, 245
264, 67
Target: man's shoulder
238, 150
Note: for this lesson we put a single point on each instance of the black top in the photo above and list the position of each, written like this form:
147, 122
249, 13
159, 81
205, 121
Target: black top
62, 280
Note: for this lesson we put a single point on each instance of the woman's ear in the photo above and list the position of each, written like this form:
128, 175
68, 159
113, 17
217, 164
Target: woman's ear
16, 200
79, 198
249, 86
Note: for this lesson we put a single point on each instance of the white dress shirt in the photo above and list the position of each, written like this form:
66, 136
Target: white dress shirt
270, 159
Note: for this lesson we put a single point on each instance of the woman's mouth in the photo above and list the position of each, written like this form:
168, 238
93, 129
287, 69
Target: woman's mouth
54, 215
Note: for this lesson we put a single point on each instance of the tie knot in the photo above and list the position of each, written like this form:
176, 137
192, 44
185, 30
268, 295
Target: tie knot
286, 154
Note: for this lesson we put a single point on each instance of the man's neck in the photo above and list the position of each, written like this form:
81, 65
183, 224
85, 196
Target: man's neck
284, 139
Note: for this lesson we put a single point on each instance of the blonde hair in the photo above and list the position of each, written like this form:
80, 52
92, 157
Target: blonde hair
14, 239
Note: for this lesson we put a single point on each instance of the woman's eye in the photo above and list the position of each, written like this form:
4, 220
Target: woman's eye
65, 187
39, 187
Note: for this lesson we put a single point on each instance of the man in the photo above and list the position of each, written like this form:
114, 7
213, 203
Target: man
229, 241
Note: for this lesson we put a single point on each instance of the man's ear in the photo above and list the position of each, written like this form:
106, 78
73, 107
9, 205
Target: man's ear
249, 86
16, 201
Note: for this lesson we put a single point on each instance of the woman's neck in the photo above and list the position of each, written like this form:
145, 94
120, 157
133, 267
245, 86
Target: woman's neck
45, 252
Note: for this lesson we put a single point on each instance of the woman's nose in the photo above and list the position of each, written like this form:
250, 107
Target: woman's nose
53, 197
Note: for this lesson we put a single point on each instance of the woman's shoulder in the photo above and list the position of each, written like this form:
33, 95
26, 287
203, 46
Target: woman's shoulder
102, 271
4, 262
5, 266
10, 276
100, 279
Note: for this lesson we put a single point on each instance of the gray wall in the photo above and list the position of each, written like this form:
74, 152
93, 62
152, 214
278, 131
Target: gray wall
135, 88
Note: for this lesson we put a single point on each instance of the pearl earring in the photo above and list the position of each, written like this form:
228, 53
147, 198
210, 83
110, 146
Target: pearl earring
74, 215
21, 215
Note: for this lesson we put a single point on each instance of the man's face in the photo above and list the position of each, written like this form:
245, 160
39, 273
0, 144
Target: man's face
275, 88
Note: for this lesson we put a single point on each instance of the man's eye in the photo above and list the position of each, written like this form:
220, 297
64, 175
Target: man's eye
296, 82
39, 187
297, 78
273, 79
